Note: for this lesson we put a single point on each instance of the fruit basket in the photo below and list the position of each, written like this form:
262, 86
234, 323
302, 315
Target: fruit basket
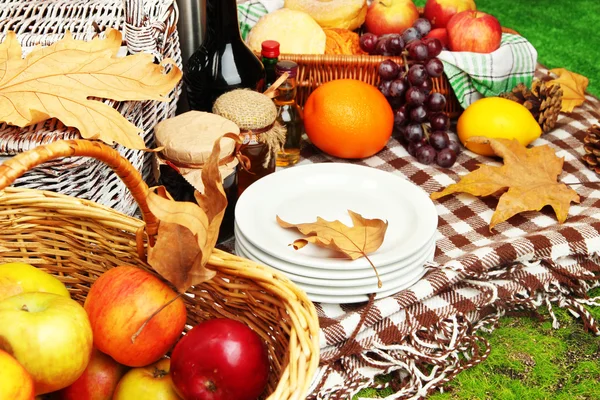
77, 240
316, 69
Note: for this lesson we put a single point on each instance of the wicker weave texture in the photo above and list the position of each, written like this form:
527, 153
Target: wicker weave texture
316, 69
77, 240
147, 26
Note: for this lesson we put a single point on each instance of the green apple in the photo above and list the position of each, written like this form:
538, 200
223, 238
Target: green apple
152, 382
49, 335
18, 277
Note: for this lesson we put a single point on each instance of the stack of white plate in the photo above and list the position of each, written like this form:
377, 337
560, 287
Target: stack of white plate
303, 193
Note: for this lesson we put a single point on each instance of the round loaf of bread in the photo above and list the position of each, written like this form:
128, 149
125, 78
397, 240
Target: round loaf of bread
345, 14
296, 31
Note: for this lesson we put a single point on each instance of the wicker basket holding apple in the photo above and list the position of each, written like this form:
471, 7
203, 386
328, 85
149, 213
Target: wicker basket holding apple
344, 39
83, 315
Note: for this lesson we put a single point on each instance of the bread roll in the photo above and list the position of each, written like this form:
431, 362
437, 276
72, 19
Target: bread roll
345, 14
296, 32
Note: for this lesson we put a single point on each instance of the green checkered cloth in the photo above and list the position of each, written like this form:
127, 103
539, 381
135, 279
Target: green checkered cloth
248, 15
473, 75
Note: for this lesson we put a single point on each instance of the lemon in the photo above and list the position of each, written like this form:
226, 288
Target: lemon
496, 118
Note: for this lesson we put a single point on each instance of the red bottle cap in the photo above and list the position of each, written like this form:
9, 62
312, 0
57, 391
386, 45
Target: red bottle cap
270, 49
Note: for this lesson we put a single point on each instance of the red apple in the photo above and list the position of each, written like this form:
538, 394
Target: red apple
390, 16
120, 302
474, 31
152, 382
441, 34
439, 12
220, 359
15, 381
98, 381
49, 335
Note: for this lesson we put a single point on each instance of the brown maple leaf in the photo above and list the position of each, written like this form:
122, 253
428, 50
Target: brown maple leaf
187, 232
529, 177
364, 237
573, 86
59, 81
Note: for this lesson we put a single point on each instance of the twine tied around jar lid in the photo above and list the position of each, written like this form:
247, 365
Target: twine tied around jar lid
256, 116
187, 141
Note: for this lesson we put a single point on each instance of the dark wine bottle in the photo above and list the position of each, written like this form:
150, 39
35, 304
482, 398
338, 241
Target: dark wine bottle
223, 62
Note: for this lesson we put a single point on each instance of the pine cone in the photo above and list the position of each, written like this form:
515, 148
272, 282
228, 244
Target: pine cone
544, 102
592, 148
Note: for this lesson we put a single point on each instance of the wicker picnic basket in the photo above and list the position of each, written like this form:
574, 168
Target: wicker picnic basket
316, 69
147, 26
76, 240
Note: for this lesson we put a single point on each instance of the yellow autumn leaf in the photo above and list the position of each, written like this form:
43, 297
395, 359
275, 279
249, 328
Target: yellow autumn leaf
188, 232
364, 237
528, 178
573, 86
57, 81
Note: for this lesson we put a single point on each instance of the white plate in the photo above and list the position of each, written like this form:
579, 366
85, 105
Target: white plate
351, 298
335, 277
353, 286
300, 194
319, 269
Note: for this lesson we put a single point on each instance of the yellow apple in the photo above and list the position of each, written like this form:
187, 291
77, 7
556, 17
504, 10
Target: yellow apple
18, 277
49, 335
15, 382
152, 382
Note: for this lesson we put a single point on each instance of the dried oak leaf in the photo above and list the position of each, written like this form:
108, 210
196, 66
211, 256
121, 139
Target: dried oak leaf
573, 86
57, 81
364, 237
187, 232
530, 175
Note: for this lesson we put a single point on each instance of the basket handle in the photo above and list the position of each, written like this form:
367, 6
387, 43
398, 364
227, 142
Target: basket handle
16, 166
138, 33
144, 34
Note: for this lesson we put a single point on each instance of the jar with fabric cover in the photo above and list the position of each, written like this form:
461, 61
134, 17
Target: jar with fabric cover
262, 135
187, 142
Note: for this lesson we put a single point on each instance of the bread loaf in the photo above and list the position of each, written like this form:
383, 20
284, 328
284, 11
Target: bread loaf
345, 14
296, 31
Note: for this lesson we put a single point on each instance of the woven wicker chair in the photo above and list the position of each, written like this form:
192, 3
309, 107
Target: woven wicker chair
147, 26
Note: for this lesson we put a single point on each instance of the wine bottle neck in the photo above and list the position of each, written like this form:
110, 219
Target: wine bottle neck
222, 19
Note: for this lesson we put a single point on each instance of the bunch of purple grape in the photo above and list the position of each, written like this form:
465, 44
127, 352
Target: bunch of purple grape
418, 111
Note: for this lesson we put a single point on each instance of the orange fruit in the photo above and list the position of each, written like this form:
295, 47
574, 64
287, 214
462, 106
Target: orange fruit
348, 118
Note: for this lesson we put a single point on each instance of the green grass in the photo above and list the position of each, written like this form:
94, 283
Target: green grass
529, 359
563, 32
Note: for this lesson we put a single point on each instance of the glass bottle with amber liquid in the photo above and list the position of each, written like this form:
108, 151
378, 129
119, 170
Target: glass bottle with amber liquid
223, 62
289, 113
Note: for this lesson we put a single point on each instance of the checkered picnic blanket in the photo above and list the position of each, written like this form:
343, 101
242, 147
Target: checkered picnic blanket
428, 333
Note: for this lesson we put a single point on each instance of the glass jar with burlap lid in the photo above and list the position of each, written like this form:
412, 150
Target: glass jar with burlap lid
262, 136
187, 141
